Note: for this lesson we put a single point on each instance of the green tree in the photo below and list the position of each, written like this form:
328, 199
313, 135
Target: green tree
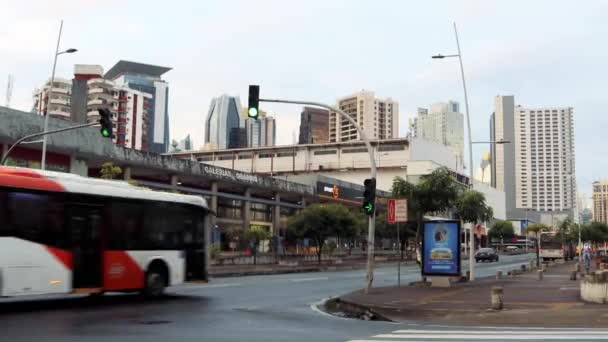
110, 171
321, 221
595, 232
537, 228
256, 234
501, 230
435, 192
471, 207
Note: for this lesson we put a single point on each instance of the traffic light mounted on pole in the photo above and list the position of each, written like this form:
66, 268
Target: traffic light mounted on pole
253, 110
106, 122
369, 196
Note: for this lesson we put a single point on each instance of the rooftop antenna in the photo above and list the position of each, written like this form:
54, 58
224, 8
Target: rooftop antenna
9, 90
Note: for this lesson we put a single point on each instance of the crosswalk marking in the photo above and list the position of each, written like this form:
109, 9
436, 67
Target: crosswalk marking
502, 332
424, 335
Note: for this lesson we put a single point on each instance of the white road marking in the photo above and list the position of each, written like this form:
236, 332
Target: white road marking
486, 337
420, 335
498, 332
211, 286
308, 279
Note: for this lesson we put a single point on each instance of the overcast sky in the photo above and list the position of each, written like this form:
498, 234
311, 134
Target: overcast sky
546, 53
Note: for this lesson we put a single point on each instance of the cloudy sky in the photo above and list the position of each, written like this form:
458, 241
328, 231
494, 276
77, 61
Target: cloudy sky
546, 53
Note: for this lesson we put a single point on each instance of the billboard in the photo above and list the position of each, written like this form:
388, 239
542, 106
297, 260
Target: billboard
441, 248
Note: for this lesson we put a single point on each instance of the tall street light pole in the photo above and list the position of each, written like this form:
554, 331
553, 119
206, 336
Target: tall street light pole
50, 94
466, 104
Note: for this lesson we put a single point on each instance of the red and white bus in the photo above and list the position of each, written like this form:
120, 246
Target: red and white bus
62, 233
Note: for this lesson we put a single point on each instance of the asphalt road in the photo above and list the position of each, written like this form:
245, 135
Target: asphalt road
255, 308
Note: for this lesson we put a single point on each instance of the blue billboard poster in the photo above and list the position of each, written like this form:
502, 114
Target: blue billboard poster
441, 248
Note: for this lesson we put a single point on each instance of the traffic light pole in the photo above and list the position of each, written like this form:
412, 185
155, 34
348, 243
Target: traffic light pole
36, 135
372, 218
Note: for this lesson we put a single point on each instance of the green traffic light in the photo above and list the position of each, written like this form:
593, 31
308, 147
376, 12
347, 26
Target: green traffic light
105, 133
369, 208
253, 112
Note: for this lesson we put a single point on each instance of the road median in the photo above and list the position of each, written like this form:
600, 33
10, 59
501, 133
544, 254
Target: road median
525, 300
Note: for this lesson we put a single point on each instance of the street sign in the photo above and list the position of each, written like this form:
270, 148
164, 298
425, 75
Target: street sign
397, 210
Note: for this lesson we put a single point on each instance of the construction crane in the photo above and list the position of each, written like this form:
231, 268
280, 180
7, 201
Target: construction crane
9, 90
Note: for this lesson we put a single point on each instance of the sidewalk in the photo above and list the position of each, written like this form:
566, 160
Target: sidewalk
554, 301
217, 271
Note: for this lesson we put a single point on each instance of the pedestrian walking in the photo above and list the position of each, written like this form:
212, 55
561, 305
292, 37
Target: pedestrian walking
587, 255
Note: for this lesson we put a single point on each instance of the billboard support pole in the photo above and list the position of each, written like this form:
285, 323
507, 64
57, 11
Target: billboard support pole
399, 258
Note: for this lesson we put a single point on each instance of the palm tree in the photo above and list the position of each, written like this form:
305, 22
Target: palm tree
537, 228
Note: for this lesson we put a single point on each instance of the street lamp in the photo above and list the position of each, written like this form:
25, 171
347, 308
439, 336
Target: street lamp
466, 104
50, 94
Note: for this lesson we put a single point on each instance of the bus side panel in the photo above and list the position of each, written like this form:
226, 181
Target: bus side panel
175, 261
29, 268
121, 272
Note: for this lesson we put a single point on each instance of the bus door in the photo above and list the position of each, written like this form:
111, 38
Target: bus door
85, 223
194, 243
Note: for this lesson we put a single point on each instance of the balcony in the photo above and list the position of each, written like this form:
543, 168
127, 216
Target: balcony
101, 92
100, 82
93, 114
60, 101
60, 112
95, 101
62, 90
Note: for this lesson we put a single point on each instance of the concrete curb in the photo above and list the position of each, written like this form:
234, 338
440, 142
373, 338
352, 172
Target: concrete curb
353, 310
287, 271
325, 268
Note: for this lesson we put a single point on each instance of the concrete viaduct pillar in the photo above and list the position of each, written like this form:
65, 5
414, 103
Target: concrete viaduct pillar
247, 209
276, 215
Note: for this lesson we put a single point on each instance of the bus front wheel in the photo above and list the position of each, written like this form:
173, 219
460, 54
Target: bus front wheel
156, 281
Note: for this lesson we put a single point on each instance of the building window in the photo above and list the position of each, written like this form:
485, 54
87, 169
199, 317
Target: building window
316, 153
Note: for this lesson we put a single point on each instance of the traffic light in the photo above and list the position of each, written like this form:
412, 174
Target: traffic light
254, 102
106, 122
369, 196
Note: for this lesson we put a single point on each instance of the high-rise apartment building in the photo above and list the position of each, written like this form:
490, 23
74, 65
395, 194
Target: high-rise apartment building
600, 201
535, 168
502, 127
545, 170
223, 117
146, 78
80, 99
314, 126
261, 132
444, 124
59, 104
379, 118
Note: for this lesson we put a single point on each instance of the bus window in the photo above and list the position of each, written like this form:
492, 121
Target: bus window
125, 228
25, 212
